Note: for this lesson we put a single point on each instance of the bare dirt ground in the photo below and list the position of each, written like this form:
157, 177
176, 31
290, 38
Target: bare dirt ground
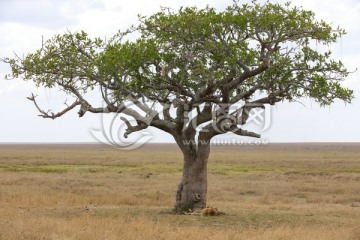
79, 191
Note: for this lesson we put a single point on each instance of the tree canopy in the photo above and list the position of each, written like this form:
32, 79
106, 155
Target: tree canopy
195, 56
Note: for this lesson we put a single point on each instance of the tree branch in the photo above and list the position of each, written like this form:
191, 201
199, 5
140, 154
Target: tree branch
213, 129
49, 114
238, 131
130, 129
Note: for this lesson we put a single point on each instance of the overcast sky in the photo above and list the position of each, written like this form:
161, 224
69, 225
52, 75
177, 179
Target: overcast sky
24, 22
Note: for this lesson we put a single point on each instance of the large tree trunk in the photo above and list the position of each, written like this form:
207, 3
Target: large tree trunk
192, 190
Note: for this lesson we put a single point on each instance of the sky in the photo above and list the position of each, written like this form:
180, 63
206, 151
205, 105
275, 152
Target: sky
23, 24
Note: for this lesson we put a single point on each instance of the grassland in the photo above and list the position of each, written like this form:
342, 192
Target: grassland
280, 191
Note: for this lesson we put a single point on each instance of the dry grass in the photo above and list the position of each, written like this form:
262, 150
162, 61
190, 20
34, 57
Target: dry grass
95, 192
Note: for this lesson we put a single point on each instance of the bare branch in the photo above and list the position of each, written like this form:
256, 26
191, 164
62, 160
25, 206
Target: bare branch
212, 129
166, 111
241, 132
204, 116
130, 129
51, 114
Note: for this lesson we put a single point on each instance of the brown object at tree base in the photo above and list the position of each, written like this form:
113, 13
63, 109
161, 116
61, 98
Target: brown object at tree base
208, 211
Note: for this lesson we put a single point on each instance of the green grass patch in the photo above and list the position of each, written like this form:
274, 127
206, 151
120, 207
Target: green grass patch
227, 169
138, 169
64, 168
172, 168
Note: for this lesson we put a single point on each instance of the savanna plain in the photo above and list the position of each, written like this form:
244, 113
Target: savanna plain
89, 191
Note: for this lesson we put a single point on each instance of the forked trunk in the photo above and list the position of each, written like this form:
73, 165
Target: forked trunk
192, 190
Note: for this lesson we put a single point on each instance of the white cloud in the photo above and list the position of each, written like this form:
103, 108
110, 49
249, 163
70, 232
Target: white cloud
343, 13
39, 13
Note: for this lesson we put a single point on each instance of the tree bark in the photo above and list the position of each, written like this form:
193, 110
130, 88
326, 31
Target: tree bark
192, 190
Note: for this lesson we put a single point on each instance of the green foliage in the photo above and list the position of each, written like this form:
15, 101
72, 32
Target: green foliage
209, 45
182, 53
65, 59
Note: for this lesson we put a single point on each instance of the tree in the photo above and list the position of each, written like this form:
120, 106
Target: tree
197, 64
